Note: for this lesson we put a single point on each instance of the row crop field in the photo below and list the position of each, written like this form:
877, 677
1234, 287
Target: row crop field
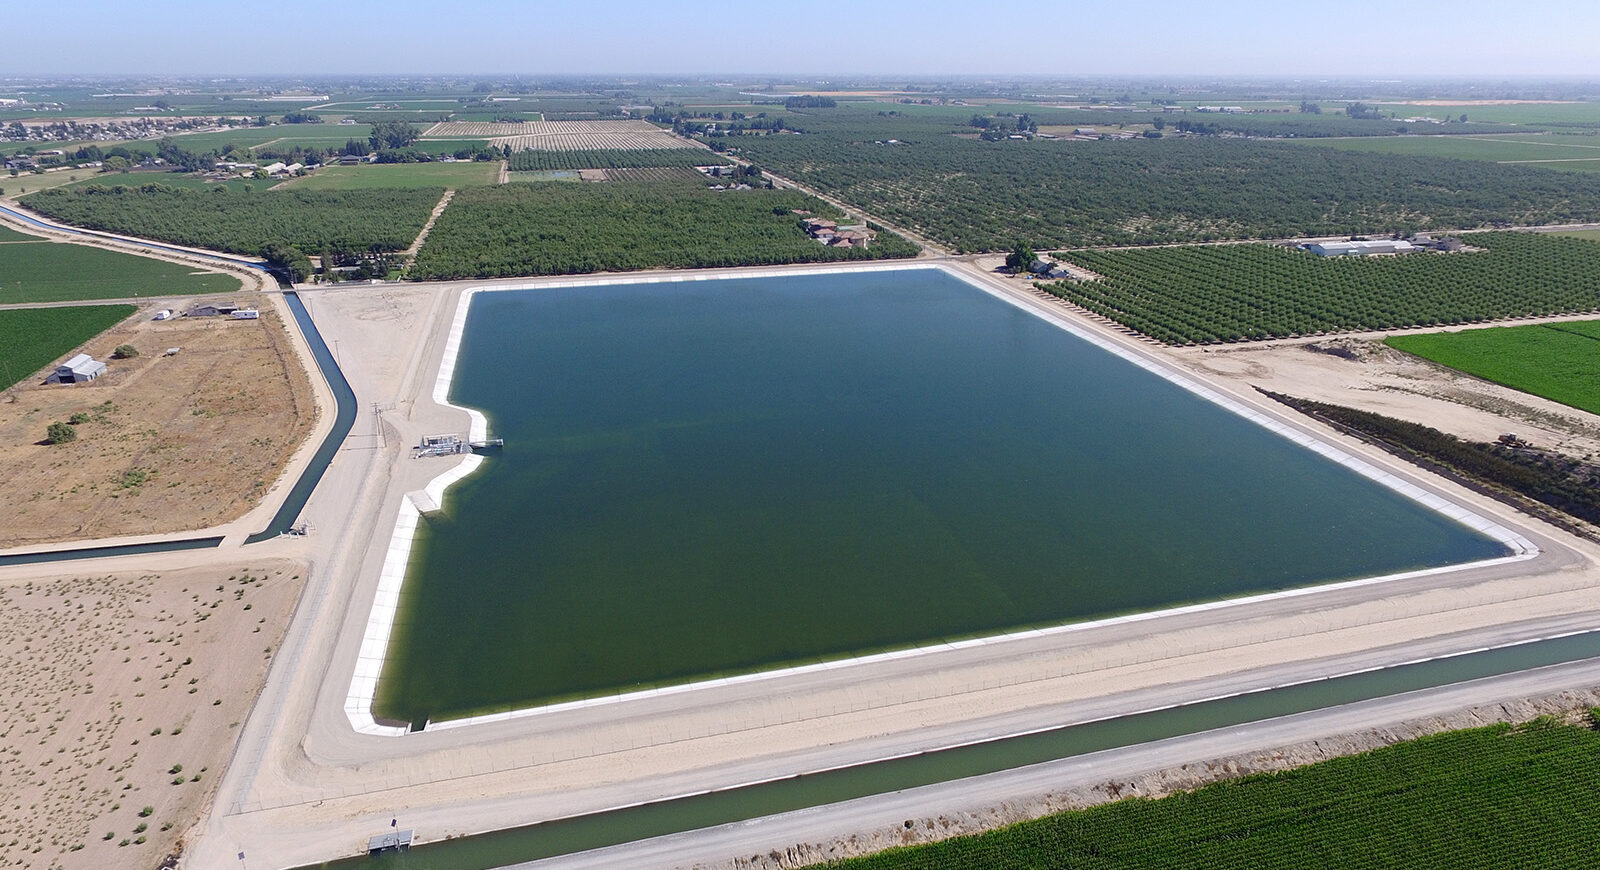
986, 196
555, 229
32, 338
1548, 152
244, 223
1485, 798
41, 271
536, 128
617, 141
527, 161
1215, 293
1559, 361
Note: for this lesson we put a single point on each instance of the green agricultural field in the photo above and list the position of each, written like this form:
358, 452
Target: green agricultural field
1580, 153
33, 183
1245, 292
1566, 114
1485, 798
1592, 235
43, 271
8, 234
399, 175
325, 133
557, 229
1559, 361
32, 338
246, 137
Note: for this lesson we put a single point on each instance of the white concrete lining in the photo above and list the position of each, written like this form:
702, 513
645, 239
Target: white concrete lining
374, 647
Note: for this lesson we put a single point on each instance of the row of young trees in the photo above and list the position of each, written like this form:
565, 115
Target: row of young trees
1204, 294
645, 158
548, 229
1568, 486
246, 223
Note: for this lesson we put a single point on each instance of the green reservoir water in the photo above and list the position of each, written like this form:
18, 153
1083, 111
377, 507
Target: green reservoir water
715, 477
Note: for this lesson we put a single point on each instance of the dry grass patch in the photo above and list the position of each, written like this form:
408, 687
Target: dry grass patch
164, 443
124, 698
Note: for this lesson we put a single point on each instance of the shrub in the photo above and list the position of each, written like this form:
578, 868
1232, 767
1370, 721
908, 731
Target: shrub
125, 351
60, 433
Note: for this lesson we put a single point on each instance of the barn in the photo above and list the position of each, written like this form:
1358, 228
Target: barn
77, 370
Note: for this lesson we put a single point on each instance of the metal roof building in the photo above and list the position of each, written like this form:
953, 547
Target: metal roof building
1356, 249
80, 368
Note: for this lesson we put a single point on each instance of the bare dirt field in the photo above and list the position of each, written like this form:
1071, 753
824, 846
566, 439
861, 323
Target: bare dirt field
1362, 372
170, 443
124, 697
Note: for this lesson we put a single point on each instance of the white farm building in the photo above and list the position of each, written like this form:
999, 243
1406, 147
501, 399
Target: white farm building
1358, 249
80, 368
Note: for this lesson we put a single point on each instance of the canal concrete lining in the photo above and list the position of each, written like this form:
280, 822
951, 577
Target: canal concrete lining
881, 819
378, 632
305, 786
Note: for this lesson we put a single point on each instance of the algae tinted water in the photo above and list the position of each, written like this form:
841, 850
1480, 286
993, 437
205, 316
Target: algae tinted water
714, 477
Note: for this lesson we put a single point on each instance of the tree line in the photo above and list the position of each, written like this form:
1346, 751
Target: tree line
246, 223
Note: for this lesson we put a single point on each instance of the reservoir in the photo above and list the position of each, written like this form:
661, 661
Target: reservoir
704, 478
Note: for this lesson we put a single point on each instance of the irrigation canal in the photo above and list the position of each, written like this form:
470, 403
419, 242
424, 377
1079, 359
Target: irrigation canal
593, 831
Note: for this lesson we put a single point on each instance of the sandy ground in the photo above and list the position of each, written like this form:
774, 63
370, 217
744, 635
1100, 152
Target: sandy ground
1363, 372
172, 443
111, 682
305, 786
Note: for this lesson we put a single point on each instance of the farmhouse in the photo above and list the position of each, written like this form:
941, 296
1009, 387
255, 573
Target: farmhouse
851, 239
1359, 249
77, 370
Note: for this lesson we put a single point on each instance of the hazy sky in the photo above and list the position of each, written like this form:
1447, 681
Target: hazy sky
1478, 38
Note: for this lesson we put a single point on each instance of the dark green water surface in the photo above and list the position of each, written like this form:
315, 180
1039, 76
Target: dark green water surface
715, 477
